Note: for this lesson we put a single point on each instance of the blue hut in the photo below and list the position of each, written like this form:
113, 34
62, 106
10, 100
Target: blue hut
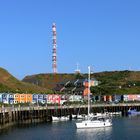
5, 98
0, 97
35, 98
42, 98
10, 98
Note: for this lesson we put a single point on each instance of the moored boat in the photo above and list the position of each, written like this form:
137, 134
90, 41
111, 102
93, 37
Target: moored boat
133, 112
91, 121
63, 118
94, 122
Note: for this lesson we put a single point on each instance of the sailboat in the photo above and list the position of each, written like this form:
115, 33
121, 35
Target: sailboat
93, 121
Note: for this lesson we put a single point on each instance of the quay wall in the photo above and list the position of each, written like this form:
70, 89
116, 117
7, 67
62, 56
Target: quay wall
13, 115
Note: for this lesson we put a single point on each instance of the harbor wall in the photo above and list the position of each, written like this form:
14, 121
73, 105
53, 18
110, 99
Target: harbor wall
13, 115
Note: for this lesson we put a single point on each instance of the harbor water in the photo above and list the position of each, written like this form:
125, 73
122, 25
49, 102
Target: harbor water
124, 128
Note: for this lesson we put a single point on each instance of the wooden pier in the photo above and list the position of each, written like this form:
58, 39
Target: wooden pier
12, 115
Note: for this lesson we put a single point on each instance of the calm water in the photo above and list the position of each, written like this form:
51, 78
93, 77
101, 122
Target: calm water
124, 128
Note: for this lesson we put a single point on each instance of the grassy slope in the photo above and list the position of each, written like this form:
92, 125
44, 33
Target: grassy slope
110, 81
48, 80
8, 83
126, 82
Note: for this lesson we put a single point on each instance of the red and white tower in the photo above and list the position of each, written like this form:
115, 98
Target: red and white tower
54, 64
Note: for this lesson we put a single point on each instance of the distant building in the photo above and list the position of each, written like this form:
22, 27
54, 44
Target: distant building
5, 98
53, 99
16, 98
76, 87
74, 98
93, 82
35, 98
28, 98
10, 98
0, 97
131, 97
42, 98
22, 98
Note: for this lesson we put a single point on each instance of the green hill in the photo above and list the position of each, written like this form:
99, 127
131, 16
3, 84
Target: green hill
9, 83
49, 80
118, 82
114, 82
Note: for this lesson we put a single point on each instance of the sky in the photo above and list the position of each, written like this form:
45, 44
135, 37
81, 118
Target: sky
104, 34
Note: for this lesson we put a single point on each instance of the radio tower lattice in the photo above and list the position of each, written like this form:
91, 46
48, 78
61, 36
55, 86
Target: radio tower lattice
54, 64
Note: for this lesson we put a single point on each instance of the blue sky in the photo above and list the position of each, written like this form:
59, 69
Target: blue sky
102, 33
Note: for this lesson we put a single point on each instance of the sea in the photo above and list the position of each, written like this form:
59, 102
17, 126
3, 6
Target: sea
123, 128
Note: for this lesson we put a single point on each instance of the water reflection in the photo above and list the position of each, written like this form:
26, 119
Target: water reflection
133, 115
123, 128
94, 133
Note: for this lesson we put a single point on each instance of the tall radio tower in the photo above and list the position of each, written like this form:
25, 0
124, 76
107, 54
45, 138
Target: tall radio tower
54, 64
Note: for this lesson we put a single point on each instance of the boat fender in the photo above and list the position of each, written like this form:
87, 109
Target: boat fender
85, 124
104, 123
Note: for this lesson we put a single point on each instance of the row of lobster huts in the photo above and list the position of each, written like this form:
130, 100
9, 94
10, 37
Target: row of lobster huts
74, 90
16, 98
11, 98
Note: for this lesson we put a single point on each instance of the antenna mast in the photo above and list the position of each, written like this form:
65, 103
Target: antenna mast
54, 64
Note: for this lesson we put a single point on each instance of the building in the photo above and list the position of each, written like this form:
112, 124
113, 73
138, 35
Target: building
22, 98
76, 87
5, 98
0, 97
53, 99
35, 98
10, 98
93, 82
42, 98
75, 98
131, 97
29, 98
16, 98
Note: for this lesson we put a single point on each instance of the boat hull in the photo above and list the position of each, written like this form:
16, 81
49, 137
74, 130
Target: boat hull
133, 112
60, 118
94, 124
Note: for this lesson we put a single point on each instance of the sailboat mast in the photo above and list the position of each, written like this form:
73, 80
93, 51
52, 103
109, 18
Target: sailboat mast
88, 90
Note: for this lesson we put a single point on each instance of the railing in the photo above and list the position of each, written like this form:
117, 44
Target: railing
7, 109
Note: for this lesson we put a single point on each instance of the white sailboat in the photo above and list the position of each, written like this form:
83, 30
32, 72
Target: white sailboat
92, 122
63, 118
